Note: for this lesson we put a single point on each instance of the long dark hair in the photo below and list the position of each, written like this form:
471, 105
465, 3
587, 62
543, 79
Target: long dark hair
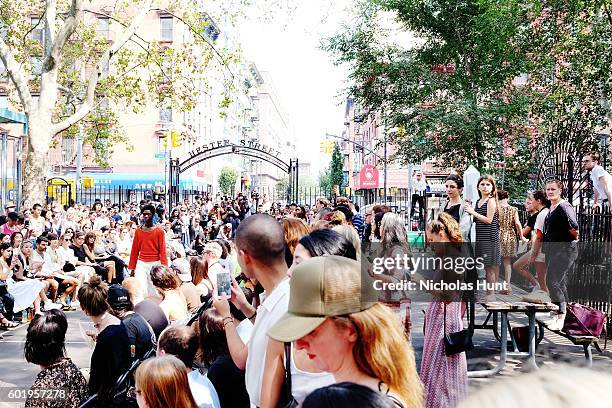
212, 337
328, 242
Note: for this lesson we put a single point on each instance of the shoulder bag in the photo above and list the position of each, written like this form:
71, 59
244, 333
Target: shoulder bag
286, 399
457, 342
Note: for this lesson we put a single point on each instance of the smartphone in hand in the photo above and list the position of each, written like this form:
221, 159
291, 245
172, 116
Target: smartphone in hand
224, 284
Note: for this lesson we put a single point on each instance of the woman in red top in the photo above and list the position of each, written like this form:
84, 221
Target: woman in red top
148, 250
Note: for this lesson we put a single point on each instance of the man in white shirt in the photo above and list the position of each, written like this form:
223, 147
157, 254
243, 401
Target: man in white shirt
37, 266
261, 255
602, 180
182, 342
36, 222
212, 253
418, 193
102, 220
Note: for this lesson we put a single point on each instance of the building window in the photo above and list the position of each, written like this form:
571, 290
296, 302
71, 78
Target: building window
36, 65
3, 101
104, 27
38, 32
165, 114
3, 30
165, 26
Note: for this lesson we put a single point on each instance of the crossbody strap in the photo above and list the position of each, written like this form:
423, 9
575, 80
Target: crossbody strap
288, 368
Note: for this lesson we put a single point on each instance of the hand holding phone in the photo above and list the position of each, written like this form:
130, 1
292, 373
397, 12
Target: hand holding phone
224, 284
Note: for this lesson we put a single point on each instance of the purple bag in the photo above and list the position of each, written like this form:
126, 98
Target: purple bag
582, 320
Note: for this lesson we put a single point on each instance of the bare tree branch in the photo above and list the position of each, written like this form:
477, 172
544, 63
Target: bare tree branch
98, 74
17, 75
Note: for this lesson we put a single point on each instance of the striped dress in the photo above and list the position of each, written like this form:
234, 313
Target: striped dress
487, 237
444, 377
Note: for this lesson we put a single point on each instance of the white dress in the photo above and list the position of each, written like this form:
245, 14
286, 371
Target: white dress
24, 292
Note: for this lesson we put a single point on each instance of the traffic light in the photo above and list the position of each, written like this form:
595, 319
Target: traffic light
177, 139
327, 146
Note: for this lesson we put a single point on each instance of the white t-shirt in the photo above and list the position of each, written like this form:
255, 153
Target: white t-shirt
268, 313
419, 187
598, 184
37, 225
539, 225
203, 390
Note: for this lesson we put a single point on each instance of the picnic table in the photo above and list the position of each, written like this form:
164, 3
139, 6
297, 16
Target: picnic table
503, 308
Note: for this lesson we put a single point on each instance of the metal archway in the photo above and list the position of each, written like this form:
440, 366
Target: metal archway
225, 147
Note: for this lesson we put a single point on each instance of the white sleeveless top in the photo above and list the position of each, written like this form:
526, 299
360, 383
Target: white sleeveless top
303, 383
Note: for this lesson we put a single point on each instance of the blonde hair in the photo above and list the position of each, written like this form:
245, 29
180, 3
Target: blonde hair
351, 235
559, 387
382, 351
445, 222
294, 229
163, 383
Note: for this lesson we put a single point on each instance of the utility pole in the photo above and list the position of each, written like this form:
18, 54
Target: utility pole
385, 159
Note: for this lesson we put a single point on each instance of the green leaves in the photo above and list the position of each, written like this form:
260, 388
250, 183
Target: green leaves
227, 180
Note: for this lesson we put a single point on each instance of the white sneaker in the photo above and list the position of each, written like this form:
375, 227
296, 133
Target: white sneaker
536, 288
49, 305
75, 303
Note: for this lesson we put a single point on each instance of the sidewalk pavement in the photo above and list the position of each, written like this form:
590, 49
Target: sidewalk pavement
553, 350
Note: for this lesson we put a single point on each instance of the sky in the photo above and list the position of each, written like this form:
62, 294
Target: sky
304, 76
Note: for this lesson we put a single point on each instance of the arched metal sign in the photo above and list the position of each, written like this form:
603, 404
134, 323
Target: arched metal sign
222, 147
245, 148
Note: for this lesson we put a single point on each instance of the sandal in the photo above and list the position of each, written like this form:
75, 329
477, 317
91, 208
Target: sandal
9, 325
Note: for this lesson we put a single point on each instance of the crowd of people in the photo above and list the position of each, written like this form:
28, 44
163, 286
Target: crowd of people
296, 328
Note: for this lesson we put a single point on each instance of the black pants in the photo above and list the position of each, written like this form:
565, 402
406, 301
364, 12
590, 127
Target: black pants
7, 301
417, 198
119, 267
559, 264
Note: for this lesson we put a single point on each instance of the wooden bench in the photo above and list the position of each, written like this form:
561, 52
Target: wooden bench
585, 341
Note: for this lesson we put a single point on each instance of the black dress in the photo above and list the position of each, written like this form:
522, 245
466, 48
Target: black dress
487, 237
453, 211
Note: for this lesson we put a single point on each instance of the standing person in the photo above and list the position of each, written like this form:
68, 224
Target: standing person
444, 377
260, 246
509, 230
45, 346
294, 229
111, 356
535, 229
162, 382
344, 333
455, 206
560, 248
486, 217
419, 187
394, 245
148, 250
602, 180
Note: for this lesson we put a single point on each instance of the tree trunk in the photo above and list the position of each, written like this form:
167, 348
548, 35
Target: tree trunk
37, 161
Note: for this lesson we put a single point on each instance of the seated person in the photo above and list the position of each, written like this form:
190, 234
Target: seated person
181, 267
182, 342
111, 356
226, 377
140, 333
147, 308
173, 302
